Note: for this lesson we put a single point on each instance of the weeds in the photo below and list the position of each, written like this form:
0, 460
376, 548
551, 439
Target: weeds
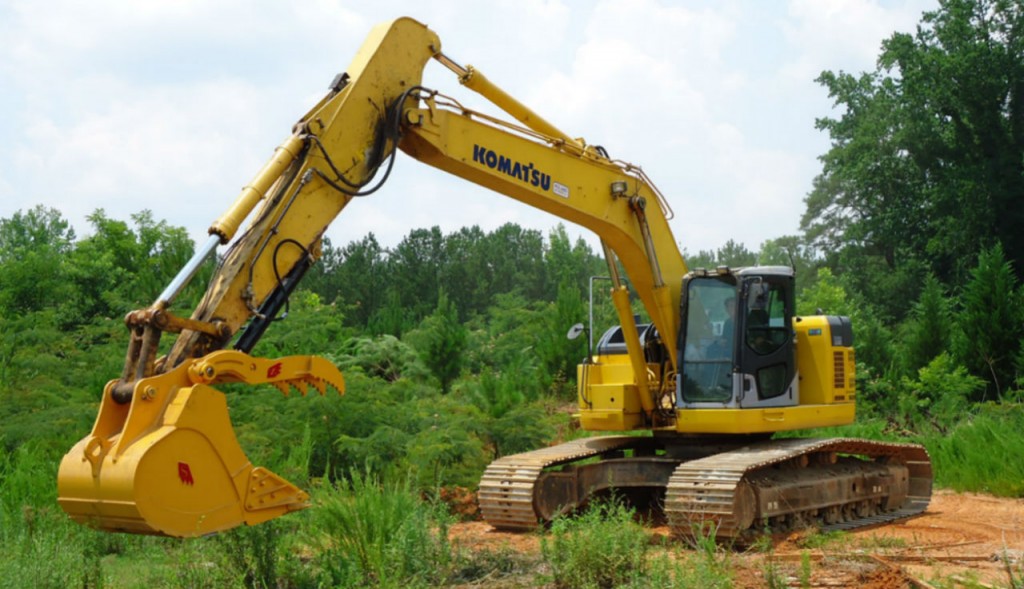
477, 566
709, 566
369, 533
883, 542
971, 456
774, 578
602, 548
706, 571
196, 567
1015, 574
252, 552
805, 569
606, 548
817, 539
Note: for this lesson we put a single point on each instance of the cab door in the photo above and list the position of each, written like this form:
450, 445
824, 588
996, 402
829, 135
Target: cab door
765, 342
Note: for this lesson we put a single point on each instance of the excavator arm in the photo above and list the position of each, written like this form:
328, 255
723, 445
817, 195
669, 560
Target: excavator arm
162, 456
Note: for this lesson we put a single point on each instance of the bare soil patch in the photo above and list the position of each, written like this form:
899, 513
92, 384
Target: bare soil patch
963, 539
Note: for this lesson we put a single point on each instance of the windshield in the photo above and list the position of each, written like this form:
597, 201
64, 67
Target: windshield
708, 340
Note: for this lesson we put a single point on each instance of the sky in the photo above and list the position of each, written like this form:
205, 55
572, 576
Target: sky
172, 106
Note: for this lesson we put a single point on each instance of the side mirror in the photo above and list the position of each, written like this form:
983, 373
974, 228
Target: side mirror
575, 331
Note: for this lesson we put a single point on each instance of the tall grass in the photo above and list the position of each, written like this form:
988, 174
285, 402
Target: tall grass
601, 548
41, 547
605, 548
981, 453
381, 534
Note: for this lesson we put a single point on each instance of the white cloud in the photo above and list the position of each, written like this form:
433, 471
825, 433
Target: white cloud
844, 34
172, 106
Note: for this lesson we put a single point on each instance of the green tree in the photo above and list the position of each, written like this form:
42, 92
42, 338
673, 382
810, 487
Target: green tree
990, 322
309, 327
926, 333
442, 341
468, 272
826, 296
558, 355
391, 318
117, 268
732, 254
414, 270
40, 227
353, 277
506, 336
927, 158
570, 262
517, 256
34, 246
384, 357
792, 251
872, 339
511, 418
939, 395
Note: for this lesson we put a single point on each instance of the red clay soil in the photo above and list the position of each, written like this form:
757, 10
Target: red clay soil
963, 539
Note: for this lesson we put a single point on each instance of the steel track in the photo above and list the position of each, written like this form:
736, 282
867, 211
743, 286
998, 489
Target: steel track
507, 488
722, 488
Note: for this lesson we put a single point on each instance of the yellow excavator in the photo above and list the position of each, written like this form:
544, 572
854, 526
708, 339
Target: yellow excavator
722, 365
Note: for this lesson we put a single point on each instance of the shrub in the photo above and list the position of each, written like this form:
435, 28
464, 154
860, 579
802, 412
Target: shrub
940, 395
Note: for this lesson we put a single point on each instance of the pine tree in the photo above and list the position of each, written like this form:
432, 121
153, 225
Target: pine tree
990, 322
444, 342
926, 333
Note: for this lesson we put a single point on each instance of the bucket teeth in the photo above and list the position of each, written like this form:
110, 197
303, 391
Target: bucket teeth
300, 385
319, 385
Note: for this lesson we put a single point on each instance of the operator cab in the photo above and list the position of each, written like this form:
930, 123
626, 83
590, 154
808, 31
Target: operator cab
613, 341
736, 342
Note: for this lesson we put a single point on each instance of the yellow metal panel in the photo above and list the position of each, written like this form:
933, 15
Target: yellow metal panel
609, 421
607, 398
814, 360
754, 421
620, 371
615, 397
827, 371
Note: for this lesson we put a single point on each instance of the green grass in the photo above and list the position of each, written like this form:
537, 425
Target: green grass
816, 539
805, 569
883, 542
606, 547
972, 456
603, 547
369, 533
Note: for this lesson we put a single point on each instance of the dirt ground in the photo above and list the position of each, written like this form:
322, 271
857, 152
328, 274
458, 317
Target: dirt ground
963, 540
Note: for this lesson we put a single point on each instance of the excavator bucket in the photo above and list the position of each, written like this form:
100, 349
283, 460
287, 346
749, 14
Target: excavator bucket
168, 462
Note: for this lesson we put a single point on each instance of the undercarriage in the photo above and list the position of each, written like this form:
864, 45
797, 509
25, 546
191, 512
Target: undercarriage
733, 489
